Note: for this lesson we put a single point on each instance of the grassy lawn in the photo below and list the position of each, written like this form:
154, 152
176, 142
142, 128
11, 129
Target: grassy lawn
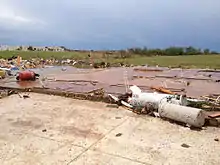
197, 61
45, 55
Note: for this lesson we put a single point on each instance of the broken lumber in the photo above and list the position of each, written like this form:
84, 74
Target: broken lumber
163, 90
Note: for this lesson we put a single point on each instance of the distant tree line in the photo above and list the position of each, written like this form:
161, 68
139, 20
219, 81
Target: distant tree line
171, 51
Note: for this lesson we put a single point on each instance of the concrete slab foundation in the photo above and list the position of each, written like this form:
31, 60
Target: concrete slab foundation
46, 129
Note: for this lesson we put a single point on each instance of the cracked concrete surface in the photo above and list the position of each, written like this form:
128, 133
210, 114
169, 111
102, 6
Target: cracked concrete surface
53, 130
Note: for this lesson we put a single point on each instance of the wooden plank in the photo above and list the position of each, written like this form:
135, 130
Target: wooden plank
215, 115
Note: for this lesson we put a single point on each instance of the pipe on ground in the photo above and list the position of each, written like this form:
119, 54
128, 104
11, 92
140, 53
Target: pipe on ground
191, 116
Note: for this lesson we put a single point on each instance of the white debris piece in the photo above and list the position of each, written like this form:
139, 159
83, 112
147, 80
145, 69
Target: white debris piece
191, 116
135, 90
140, 98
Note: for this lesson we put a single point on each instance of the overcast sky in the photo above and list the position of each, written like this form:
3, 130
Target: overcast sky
111, 24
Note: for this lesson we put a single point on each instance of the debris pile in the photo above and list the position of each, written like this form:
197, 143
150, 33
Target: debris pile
178, 108
16, 63
4, 93
160, 101
213, 100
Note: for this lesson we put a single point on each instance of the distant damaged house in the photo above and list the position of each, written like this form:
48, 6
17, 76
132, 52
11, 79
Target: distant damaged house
48, 48
55, 49
8, 48
32, 48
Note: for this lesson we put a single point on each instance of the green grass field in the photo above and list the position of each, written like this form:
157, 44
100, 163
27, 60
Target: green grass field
188, 61
196, 61
45, 55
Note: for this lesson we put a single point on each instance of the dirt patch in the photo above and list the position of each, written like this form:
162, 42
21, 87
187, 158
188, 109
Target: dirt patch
80, 132
33, 123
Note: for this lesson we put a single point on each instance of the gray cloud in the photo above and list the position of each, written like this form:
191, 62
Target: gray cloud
99, 24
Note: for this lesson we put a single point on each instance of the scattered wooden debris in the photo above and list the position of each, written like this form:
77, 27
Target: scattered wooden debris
4, 93
215, 115
149, 69
97, 92
213, 99
163, 90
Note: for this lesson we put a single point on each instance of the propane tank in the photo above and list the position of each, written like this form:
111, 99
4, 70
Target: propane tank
26, 76
192, 116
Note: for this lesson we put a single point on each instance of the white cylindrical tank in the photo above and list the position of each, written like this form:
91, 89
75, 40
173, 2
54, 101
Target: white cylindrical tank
192, 116
143, 98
